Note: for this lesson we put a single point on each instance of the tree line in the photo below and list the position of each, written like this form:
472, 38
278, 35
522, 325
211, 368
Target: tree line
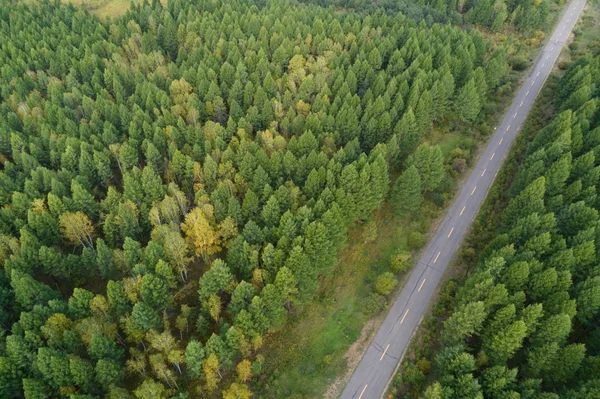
174, 181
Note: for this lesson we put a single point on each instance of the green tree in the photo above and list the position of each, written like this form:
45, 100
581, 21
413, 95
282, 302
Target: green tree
429, 162
144, 317
407, 193
464, 322
386, 283
468, 103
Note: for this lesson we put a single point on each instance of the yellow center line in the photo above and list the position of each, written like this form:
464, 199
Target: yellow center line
526, 94
538, 73
383, 354
483, 173
436, 257
405, 313
547, 56
543, 65
508, 128
515, 115
474, 188
492, 157
421, 286
363, 391
461, 212
520, 105
451, 230
532, 82
500, 142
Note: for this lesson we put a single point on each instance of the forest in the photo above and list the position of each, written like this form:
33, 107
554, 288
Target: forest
175, 181
524, 323
494, 15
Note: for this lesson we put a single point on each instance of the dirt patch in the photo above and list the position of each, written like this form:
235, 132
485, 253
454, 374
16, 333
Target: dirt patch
353, 355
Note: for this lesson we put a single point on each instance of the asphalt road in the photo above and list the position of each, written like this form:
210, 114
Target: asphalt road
376, 368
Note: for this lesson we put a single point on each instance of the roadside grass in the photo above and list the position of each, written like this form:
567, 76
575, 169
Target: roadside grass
587, 38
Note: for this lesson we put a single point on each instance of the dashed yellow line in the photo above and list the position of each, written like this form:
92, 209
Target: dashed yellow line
508, 128
526, 94
461, 212
436, 257
483, 173
451, 230
405, 313
363, 391
492, 157
500, 142
421, 286
474, 188
383, 354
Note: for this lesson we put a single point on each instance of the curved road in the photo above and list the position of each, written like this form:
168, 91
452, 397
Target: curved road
376, 368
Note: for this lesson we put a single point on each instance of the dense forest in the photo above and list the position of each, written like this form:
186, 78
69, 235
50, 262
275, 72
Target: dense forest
524, 324
174, 181
523, 15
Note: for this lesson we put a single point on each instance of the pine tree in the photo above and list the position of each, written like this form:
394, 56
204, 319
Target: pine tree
429, 162
468, 103
407, 193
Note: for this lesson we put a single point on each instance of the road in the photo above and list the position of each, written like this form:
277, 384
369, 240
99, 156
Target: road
376, 368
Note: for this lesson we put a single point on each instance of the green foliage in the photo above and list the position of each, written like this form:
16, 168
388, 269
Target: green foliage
407, 192
401, 262
374, 304
386, 283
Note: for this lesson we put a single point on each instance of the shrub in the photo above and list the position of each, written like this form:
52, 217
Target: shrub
459, 165
519, 63
370, 232
424, 365
416, 240
401, 262
386, 283
374, 304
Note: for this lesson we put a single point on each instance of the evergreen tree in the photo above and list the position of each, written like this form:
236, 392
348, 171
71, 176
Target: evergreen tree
407, 193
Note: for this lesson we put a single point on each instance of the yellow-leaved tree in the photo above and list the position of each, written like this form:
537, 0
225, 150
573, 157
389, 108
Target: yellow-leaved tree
211, 372
237, 391
77, 228
201, 236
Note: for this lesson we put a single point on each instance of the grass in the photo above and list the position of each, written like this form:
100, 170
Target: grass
103, 8
587, 38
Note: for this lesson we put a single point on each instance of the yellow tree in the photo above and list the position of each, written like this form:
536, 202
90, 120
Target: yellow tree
237, 391
211, 372
214, 306
244, 370
200, 234
77, 228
